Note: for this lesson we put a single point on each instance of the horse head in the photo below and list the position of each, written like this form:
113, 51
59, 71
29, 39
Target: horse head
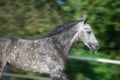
85, 35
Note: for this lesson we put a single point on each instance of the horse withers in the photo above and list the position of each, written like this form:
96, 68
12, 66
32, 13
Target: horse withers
49, 54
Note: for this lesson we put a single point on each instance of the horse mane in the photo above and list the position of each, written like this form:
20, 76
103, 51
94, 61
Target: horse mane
64, 27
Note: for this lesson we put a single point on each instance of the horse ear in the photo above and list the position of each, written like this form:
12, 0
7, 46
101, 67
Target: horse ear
85, 21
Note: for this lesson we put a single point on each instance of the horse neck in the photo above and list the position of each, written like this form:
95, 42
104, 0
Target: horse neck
65, 39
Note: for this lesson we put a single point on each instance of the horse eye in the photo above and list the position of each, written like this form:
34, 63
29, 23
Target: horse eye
89, 32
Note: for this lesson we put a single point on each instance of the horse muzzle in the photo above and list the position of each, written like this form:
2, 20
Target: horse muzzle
93, 46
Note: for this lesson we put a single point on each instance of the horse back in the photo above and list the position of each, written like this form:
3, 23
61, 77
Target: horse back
4, 42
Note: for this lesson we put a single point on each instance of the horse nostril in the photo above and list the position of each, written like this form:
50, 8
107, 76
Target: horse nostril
97, 47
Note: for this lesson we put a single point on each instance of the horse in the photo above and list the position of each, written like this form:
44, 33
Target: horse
48, 54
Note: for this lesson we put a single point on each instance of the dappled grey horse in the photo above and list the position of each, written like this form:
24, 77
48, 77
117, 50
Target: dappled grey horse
48, 54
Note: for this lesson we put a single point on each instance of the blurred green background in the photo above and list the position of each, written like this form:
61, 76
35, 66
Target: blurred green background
33, 19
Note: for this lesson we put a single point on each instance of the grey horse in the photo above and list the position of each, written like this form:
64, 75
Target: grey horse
49, 54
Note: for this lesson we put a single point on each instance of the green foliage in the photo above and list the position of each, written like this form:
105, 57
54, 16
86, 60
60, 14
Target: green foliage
36, 18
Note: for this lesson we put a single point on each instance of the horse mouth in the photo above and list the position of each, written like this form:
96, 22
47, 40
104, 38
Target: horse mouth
93, 46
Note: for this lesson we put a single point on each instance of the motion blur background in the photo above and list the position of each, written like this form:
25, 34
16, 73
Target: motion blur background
33, 19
